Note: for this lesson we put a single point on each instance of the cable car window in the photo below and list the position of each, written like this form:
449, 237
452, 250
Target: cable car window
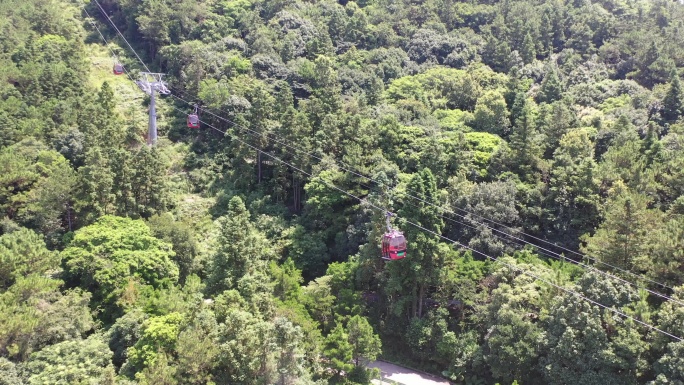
398, 242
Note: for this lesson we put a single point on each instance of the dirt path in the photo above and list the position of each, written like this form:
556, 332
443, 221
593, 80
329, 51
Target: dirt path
405, 376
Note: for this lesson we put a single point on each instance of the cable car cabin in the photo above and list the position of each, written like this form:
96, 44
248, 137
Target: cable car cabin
393, 245
118, 69
193, 121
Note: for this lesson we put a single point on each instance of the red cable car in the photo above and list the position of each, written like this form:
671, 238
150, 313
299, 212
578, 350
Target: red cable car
393, 243
118, 69
193, 120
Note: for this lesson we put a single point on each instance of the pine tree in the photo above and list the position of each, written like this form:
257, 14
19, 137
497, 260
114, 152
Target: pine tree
22, 253
528, 49
374, 93
97, 196
651, 146
241, 249
581, 38
673, 103
546, 30
517, 106
149, 182
644, 74
365, 343
288, 338
104, 128
555, 121
338, 350
573, 193
621, 239
551, 87
525, 144
513, 86
122, 167
423, 266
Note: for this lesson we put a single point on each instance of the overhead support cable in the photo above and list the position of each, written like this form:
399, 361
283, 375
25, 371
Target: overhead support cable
545, 251
121, 34
451, 241
348, 168
542, 250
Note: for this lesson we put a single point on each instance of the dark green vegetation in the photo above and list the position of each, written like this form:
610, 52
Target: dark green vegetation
203, 261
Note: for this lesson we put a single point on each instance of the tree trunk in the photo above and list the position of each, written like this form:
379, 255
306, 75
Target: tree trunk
259, 166
68, 212
296, 193
421, 294
414, 303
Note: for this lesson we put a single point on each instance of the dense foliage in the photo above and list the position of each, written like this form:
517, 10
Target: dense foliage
204, 261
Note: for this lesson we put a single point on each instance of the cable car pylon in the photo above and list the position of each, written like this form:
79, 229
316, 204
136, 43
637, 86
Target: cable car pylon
150, 83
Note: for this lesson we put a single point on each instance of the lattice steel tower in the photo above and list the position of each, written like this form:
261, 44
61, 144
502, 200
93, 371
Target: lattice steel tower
151, 82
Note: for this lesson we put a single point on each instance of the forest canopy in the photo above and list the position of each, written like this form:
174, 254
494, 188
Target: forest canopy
529, 151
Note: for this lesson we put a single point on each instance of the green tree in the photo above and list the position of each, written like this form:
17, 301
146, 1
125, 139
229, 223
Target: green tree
517, 104
673, 103
426, 336
491, 114
196, 350
670, 319
246, 350
96, 188
326, 95
159, 337
159, 372
652, 64
670, 367
581, 37
149, 183
23, 252
525, 143
72, 362
51, 198
365, 344
104, 256
604, 349
627, 160
666, 244
36, 314
623, 238
512, 347
103, 129
124, 333
652, 148
241, 249
496, 201
551, 87
555, 120
9, 374
422, 268
338, 350
547, 32
528, 51
573, 200
319, 300
35, 186
290, 361
181, 236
